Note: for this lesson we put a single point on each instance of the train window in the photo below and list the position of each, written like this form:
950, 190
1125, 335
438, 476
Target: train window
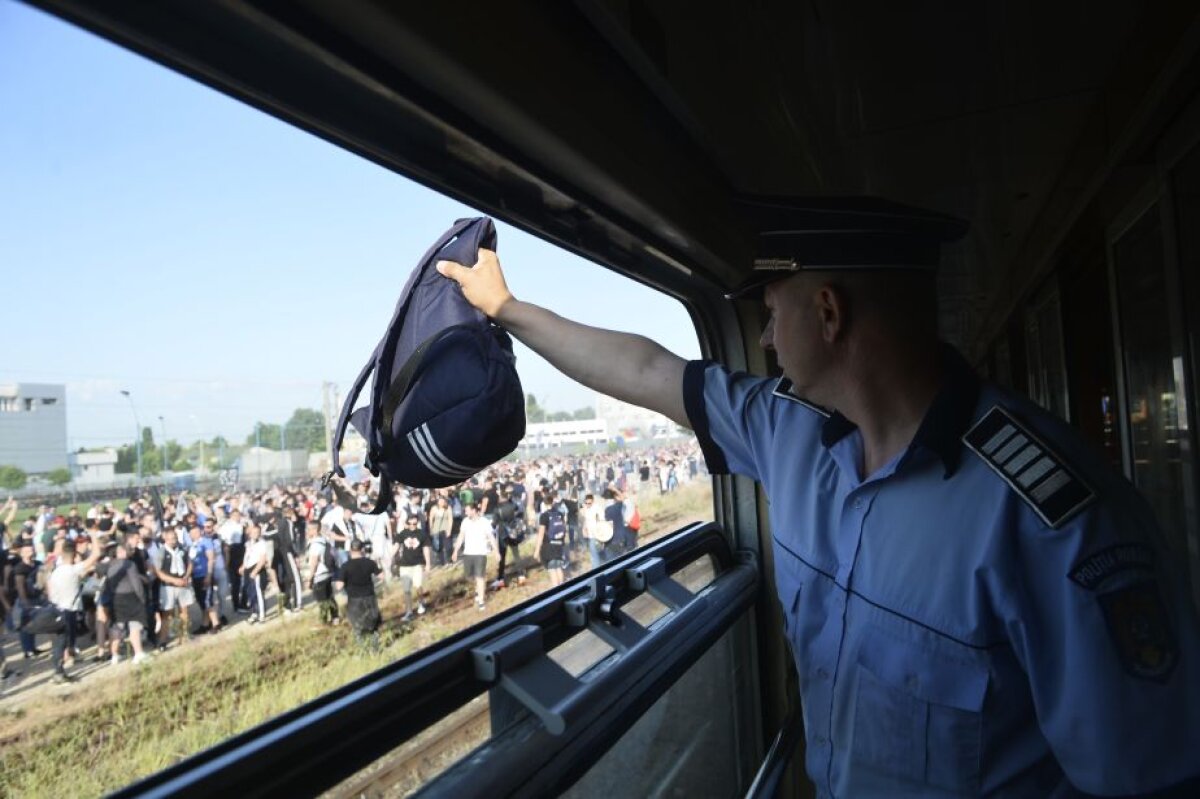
1156, 414
1047, 366
688, 743
1186, 186
201, 277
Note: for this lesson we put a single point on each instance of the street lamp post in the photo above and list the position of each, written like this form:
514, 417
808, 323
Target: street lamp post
199, 438
138, 437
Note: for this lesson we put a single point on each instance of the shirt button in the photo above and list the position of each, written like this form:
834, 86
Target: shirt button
858, 503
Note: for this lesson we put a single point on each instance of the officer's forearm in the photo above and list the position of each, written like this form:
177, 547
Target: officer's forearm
623, 365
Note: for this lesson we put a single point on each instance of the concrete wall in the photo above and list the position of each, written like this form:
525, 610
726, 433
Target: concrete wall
33, 426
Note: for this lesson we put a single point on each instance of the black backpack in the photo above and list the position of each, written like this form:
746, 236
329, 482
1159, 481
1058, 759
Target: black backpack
446, 400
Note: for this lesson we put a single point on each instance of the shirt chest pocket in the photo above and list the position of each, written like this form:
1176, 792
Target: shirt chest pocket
918, 715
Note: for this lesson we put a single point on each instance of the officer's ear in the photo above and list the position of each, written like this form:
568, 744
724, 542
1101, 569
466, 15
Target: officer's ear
833, 312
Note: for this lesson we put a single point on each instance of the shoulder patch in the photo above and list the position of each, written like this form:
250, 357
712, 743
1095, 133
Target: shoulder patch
783, 390
1039, 475
1138, 625
1096, 570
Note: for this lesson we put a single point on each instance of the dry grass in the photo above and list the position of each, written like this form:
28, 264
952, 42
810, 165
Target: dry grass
111, 729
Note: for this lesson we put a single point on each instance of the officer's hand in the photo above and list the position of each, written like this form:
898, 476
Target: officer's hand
482, 284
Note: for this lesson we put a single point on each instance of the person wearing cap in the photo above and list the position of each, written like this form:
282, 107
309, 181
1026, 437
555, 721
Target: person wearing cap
975, 602
358, 575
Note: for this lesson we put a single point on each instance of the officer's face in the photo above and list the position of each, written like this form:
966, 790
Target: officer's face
794, 331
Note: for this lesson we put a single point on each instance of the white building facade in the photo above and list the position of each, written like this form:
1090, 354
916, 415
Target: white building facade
632, 423
93, 467
556, 434
33, 426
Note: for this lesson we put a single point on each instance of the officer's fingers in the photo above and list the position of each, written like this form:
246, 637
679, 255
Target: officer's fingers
483, 284
453, 270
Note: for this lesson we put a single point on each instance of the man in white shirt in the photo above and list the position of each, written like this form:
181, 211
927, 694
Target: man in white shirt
475, 541
232, 534
597, 530
64, 589
372, 528
338, 525
253, 567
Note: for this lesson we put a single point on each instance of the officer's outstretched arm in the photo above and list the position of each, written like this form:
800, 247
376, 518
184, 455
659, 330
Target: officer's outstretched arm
623, 365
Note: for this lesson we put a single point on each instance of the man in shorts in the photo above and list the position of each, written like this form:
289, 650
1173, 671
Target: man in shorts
475, 541
173, 568
414, 556
123, 602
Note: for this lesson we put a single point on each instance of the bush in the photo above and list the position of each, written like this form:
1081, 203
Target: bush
12, 477
59, 477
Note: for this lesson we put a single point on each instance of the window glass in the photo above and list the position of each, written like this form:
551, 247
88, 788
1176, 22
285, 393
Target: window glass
690, 742
1043, 340
1187, 225
1155, 412
196, 284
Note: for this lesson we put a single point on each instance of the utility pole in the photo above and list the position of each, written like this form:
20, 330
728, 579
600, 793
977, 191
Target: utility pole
326, 387
138, 437
166, 467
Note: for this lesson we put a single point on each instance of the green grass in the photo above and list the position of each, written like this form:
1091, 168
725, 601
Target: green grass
105, 733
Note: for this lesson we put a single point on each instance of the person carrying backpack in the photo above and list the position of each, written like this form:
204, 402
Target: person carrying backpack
510, 531
322, 566
551, 544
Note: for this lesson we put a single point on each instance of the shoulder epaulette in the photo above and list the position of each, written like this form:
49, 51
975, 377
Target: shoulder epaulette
783, 390
1039, 475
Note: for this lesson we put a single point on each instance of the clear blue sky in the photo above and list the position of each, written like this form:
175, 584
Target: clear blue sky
160, 237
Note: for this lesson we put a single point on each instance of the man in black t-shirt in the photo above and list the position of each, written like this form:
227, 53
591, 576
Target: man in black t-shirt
571, 508
510, 532
358, 576
414, 557
22, 578
491, 498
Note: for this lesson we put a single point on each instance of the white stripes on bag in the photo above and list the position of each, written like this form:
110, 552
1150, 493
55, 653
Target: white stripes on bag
435, 461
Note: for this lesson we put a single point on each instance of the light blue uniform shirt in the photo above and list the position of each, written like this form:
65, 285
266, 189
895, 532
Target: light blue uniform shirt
1002, 619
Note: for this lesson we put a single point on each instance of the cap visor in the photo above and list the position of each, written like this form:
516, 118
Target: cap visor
752, 287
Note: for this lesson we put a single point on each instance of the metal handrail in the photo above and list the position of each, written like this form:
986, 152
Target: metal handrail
323, 742
779, 756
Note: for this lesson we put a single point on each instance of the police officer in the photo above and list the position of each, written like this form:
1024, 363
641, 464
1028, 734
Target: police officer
975, 603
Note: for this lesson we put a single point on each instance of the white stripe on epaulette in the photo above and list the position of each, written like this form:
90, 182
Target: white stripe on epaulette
783, 390
1040, 476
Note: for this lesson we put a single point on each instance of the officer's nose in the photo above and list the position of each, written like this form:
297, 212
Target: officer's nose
767, 339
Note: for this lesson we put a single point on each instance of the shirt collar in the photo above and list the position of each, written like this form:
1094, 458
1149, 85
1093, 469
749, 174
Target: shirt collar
945, 422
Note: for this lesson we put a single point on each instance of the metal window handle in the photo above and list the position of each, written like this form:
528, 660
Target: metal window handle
517, 663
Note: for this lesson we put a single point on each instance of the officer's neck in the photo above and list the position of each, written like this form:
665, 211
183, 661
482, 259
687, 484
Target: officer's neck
886, 391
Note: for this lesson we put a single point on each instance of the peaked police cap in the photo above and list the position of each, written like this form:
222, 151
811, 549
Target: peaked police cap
794, 234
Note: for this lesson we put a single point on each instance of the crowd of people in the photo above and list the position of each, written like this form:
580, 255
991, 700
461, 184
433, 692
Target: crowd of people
164, 569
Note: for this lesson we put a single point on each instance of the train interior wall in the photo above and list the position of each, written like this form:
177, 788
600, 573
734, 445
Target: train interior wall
1110, 338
